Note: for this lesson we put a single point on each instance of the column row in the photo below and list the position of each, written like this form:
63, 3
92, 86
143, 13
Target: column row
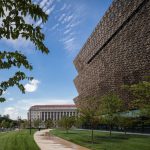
55, 115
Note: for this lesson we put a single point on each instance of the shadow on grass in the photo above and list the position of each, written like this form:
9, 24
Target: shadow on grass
69, 133
112, 137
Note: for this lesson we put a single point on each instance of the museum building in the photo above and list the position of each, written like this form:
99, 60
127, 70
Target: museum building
116, 53
53, 112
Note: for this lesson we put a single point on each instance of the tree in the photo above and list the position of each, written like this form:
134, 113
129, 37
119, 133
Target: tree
141, 100
66, 123
12, 124
125, 122
141, 93
49, 123
13, 26
5, 124
110, 105
36, 123
24, 124
89, 113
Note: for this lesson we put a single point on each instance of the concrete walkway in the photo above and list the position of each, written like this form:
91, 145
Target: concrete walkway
46, 142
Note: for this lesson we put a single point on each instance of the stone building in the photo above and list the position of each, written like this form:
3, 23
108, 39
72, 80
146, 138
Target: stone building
53, 112
117, 52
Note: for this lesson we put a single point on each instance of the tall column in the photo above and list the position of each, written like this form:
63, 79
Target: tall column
40, 117
64, 113
53, 116
43, 116
50, 115
56, 116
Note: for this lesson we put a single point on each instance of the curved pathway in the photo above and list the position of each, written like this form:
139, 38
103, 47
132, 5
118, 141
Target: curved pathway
46, 142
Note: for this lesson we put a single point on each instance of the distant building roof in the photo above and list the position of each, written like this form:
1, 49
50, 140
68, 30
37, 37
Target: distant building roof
53, 106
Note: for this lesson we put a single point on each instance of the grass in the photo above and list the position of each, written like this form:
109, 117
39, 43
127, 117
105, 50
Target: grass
102, 141
17, 140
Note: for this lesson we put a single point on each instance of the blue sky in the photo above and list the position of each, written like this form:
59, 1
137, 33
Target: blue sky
70, 24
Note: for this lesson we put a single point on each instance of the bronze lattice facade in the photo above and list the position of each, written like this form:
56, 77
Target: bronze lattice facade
117, 52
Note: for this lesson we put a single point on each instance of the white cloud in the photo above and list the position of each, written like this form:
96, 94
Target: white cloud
54, 27
11, 111
67, 31
61, 17
32, 86
67, 19
43, 3
10, 99
38, 23
63, 7
5, 93
20, 43
50, 10
70, 45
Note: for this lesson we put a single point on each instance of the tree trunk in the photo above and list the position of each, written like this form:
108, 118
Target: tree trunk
92, 136
110, 129
67, 131
125, 131
142, 126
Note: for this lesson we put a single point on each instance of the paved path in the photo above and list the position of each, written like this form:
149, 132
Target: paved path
46, 142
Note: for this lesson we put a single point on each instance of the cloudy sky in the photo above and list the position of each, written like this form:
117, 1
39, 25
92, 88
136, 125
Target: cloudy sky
70, 24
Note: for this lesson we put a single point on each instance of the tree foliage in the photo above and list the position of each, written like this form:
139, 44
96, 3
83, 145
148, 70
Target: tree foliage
125, 122
110, 105
141, 93
66, 123
36, 123
49, 123
89, 112
14, 25
6, 122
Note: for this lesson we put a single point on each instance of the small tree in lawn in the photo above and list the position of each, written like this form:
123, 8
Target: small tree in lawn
4, 124
125, 122
89, 113
66, 123
36, 123
12, 124
110, 105
49, 123
25, 124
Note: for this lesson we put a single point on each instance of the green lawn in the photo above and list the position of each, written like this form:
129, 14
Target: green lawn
102, 141
17, 140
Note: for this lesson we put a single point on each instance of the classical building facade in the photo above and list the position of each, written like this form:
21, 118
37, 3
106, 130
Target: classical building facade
117, 52
53, 112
